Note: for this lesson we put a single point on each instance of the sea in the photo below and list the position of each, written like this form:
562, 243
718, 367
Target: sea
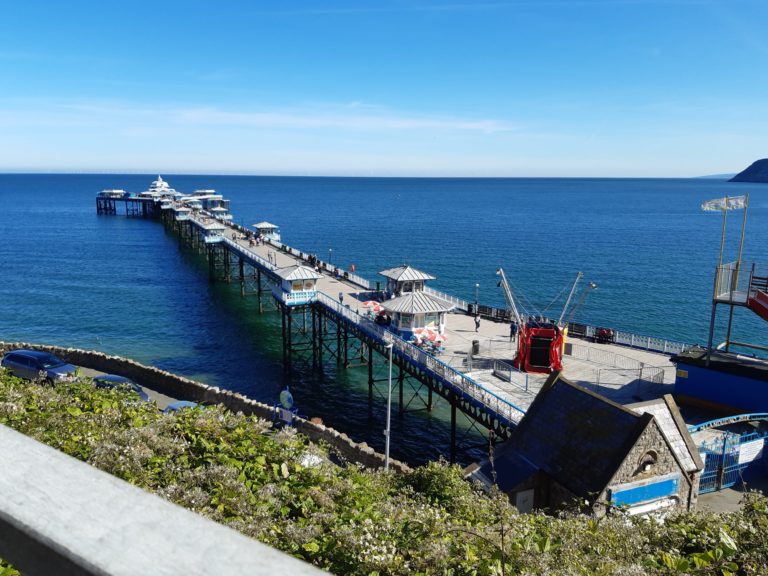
125, 286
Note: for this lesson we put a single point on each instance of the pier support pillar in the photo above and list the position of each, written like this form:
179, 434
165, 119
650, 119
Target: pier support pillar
452, 400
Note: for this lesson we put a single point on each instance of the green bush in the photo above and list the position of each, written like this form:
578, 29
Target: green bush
238, 471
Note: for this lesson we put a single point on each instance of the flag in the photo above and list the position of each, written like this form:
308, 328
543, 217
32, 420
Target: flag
727, 203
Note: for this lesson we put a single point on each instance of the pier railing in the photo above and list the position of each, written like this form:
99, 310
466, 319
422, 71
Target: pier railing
460, 304
249, 255
650, 343
617, 370
502, 408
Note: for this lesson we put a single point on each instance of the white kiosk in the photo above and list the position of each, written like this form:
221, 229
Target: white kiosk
409, 306
268, 231
298, 285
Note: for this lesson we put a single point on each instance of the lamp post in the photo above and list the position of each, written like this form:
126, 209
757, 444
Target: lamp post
477, 288
330, 254
389, 409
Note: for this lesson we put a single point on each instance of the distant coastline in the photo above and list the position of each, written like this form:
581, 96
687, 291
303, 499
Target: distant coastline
755, 172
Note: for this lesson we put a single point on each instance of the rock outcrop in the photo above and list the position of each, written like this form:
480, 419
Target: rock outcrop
756, 172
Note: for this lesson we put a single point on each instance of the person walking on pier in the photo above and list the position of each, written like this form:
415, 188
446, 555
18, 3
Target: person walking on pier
477, 323
341, 297
512, 330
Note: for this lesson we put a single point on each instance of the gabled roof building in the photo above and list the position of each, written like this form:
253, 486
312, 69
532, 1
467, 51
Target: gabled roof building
575, 447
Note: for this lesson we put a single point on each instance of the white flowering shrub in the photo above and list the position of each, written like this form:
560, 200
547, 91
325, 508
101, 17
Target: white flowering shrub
236, 470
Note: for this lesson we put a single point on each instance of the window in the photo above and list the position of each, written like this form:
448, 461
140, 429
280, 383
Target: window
647, 462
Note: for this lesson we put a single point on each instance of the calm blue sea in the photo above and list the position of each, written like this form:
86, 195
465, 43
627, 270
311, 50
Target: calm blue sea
124, 286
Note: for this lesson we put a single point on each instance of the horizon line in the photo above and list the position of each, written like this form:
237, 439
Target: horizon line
143, 172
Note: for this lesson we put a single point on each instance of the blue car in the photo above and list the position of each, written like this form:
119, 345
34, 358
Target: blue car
34, 365
113, 380
179, 405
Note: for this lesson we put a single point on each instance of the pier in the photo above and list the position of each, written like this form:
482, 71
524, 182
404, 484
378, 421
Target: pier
324, 319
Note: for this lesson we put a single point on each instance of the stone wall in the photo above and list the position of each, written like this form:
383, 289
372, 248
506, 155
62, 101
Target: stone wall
653, 440
186, 389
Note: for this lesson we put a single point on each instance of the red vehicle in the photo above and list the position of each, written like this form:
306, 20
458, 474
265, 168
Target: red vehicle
539, 347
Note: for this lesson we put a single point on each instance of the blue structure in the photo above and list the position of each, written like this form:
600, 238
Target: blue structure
729, 382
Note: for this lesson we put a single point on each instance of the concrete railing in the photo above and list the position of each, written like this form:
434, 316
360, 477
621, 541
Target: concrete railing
61, 516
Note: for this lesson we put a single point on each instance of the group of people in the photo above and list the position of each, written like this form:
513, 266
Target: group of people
315, 263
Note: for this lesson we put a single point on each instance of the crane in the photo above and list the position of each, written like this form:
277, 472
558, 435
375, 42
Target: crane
539, 342
584, 293
510, 297
579, 276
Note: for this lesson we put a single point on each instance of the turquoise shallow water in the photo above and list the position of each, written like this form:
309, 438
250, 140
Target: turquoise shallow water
124, 286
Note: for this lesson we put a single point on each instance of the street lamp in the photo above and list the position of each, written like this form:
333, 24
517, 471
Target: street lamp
389, 409
477, 287
330, 254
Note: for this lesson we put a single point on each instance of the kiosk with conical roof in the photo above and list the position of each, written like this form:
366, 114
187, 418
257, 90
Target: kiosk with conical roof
410, 307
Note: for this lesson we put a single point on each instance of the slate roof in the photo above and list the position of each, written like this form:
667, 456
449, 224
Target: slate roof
406, 274
297, 273
665, 411
417, 303
511, 469
577, 437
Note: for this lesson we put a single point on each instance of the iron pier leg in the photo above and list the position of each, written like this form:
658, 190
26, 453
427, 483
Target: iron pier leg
453, 428
242, 278
370, 381
429, 398
320, 333
339, 355
728, 334
258, 290
400, 381
282, 317
290, 338
346, 348
711, 331
314, 337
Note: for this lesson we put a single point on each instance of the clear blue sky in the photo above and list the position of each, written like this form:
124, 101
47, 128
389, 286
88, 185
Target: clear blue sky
402, 87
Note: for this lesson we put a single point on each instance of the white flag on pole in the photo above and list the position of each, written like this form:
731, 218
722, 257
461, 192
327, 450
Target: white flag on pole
727, 203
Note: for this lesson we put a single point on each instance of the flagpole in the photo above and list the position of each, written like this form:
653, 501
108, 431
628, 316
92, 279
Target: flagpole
735, 280
743, 229
722, 245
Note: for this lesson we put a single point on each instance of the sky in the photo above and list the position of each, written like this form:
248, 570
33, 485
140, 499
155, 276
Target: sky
550, 88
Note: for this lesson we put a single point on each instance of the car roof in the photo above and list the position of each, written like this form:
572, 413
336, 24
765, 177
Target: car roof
112, 378
33, 353
181, 404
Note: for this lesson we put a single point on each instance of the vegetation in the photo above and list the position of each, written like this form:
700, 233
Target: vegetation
282, 490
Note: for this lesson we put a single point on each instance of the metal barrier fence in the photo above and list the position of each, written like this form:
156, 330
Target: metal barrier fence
508, 372
599, 356
650, 343
622, 368
460, 304
459, 382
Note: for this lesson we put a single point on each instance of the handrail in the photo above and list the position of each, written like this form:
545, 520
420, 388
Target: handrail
458, 302
631, 340
501, 407
250, 254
